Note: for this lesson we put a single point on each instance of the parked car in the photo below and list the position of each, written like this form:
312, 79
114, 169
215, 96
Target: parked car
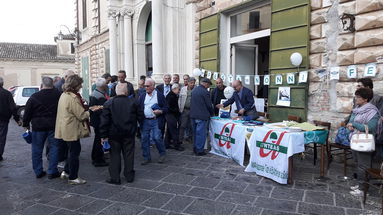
21, 95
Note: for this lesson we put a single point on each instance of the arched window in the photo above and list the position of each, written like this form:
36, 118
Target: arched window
148, 47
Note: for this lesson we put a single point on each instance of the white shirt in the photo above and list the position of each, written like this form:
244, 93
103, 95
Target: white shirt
148, 103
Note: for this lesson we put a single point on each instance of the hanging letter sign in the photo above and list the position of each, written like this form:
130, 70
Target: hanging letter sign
257, 81
230, 78
247, 79
266, 80
223, 77
278, 79
303, 77
290, 78
334, 73
238, 77
370, 70
203, 73
215, 76
208, 75
351, 71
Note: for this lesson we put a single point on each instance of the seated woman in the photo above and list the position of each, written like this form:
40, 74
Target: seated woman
363, 114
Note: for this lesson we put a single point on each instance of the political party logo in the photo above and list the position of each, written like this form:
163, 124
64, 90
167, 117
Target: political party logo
224, 137
272, 144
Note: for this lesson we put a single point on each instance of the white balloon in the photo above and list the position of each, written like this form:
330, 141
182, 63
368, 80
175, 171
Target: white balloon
228, 92
296, 59
196, 72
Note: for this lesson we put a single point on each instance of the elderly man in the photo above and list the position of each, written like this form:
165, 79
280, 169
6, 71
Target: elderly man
118, 126
186, 78
98, 97
200, 111
244, 100
108, 79
154, 105
7, 109
184, 105
218, 94
166, 86
121, 79
41, 110
176, 79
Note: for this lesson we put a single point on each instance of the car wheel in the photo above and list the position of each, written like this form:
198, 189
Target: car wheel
20, 112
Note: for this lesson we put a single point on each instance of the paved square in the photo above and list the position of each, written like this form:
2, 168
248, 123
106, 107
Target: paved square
184, 184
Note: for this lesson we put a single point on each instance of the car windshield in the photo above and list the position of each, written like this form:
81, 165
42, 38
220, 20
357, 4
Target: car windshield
27, 92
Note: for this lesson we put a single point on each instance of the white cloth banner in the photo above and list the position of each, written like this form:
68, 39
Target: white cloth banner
270, 151
227, 139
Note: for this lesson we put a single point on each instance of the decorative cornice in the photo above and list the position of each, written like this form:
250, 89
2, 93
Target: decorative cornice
127, 12
113, 13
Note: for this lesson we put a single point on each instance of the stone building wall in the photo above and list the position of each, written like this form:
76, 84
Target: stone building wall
332, 47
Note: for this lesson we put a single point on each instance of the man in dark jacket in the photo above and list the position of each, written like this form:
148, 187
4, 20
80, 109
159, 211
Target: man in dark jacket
173, 119
244, 100
41, 110
118, 126
200, 111
154, 106
218, 94
166, 87
98, 98
121, 79
7, 109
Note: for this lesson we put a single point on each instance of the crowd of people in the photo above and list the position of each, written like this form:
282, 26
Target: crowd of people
165, 115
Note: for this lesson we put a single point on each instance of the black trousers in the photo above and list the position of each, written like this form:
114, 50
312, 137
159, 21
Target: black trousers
172, 131
72, 164
3, 135
97, 152
63, 150
124, 146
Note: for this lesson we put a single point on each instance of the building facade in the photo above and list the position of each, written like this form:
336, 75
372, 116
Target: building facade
142, 37
256, 39
26, 64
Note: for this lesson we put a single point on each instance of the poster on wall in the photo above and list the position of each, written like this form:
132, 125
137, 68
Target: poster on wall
284, 96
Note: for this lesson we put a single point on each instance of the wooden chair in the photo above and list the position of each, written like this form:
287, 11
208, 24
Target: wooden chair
294, 118
371, 174
339, 150
326, 125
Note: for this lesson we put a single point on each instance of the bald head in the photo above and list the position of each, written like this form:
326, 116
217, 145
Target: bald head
122, 89
237, 85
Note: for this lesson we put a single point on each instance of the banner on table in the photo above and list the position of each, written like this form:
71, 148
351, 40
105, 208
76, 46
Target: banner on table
270, 150
227, 139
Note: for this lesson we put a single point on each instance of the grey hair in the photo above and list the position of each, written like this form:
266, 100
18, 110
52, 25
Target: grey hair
1, 82
47, 82
68, 73
100, 82
151, 81
167, 75
122, 89
192, 79
175, 86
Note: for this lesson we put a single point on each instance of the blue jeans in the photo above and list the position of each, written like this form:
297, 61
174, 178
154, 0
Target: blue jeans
151, 131
38, 140
199, 134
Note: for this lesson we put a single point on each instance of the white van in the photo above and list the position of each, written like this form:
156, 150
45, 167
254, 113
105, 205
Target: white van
21, 95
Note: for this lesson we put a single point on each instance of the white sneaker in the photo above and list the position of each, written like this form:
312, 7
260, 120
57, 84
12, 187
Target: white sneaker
77, 181
357, 193
354, 187
64, 175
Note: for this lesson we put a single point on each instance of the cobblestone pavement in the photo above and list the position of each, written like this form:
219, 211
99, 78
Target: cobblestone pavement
185, 184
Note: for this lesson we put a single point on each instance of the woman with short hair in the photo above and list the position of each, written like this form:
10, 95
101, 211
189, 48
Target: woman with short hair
72, 123
364, 114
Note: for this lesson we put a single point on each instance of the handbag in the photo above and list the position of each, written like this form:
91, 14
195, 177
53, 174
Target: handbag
342, 136
363, 142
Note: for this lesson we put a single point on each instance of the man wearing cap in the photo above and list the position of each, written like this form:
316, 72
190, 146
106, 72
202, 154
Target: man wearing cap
201, 109
244, 100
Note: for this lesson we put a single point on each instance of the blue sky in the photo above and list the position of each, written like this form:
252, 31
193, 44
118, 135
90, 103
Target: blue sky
35, 21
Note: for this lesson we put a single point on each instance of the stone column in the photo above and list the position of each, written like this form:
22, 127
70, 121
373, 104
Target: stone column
128, 43
157, 39
113, 51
